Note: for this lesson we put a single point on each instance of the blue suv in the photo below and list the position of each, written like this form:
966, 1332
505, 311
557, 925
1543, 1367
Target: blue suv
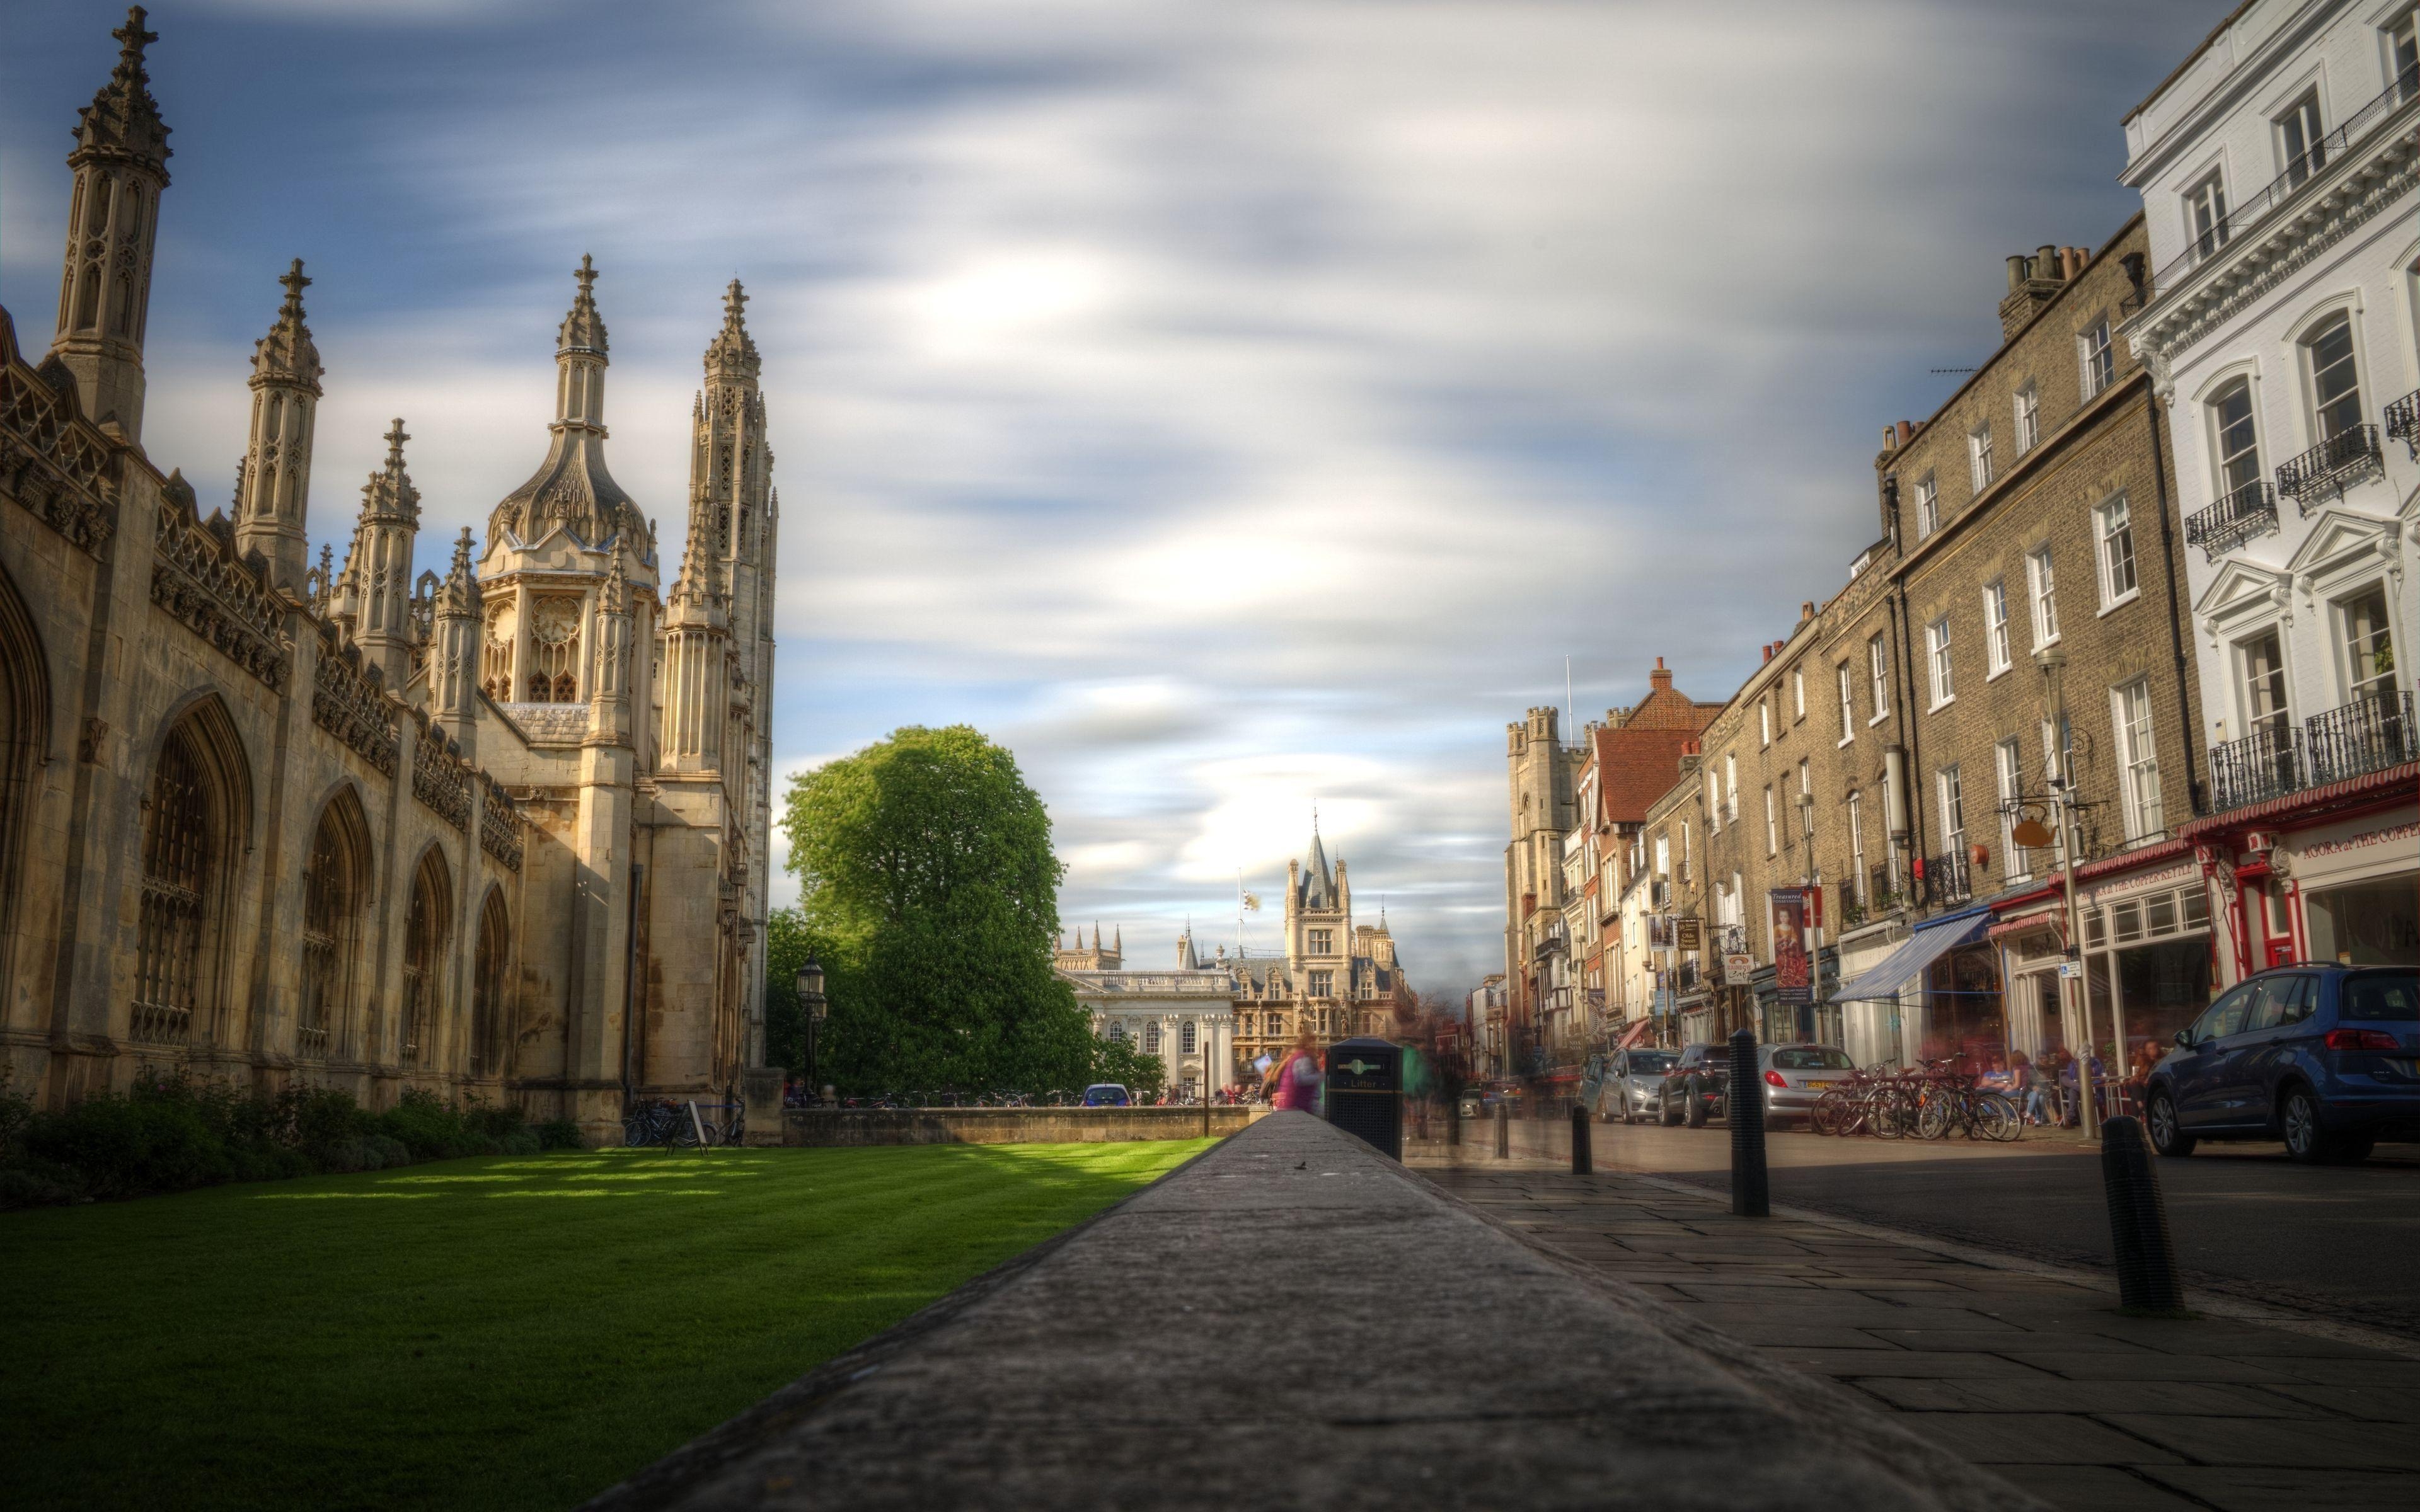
2326, 1058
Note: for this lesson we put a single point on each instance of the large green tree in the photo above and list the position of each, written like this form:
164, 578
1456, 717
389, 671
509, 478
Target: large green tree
929, 891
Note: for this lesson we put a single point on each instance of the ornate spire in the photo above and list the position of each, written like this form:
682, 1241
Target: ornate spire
572, 488
274, 484
121, 165
584, 329
389, 494
123, 120
731, 356
459, 594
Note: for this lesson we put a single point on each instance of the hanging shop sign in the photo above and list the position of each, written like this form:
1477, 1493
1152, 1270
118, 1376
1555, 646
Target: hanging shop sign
1687, 935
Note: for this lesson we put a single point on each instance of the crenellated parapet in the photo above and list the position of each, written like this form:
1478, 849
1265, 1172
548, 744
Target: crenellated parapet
51, 460
345, 703
441, 779
501, 825
197, 576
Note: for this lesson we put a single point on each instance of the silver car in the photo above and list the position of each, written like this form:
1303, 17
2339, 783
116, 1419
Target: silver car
1632, 1085
1795, 1075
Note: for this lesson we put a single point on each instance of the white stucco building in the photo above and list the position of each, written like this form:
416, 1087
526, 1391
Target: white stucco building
2280, 173
1186, 1015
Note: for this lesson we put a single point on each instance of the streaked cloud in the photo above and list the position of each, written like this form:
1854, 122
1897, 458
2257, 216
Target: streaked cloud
1233, 406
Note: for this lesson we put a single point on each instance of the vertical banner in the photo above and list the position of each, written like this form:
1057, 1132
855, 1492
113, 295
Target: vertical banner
1792, 979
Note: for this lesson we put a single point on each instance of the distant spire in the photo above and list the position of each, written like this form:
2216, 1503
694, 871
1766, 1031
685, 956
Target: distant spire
731, 356
389, 492
123, 117
584, 329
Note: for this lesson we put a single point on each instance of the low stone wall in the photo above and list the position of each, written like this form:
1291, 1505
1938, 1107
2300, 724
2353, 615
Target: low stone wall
1294, 1320
1003, 1126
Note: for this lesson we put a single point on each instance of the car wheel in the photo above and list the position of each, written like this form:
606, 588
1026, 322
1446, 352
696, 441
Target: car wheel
1697, 1107
2298, 1120
2167, 1136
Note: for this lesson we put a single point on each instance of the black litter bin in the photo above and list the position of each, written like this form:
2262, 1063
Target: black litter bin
1365, 1092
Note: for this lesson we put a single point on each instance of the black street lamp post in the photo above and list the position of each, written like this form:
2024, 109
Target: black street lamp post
811, 999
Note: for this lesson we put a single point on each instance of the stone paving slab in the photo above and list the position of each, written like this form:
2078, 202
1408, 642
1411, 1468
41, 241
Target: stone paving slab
2023, 1369
1293, 1320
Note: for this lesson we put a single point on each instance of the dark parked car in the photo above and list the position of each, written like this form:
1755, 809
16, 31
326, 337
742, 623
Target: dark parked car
1695, 1086
2325, 1058
1107, 1095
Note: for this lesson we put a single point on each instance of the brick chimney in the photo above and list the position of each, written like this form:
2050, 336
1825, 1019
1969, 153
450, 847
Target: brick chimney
2032, 283
1660, 680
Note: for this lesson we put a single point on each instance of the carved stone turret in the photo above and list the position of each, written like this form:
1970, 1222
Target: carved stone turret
272, 488
121, 165
374, 592
454, 651
572, 488
697, 679
609, 675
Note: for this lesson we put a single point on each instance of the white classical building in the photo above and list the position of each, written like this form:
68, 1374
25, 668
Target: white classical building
1184, 1016
2280, 173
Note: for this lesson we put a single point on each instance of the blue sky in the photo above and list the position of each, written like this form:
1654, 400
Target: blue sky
1228, 405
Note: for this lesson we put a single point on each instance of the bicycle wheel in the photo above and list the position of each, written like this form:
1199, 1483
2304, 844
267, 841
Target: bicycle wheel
1996, 1118
1825, 1116
1932, 1118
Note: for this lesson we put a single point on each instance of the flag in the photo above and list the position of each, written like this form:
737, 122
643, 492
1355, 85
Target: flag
1253, 902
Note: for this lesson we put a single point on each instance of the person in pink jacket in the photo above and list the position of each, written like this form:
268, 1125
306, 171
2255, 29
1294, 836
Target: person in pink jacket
1295, 1084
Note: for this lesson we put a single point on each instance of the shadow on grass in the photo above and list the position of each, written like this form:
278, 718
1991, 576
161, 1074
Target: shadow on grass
434, 1336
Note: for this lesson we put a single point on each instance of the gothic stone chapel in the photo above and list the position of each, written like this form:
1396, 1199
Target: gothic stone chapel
498, 834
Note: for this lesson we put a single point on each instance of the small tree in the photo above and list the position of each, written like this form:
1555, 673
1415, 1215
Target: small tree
929, 891
1119, 1061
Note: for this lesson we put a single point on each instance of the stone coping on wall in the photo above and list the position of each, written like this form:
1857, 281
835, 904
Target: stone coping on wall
1292, 1319
1003, 1126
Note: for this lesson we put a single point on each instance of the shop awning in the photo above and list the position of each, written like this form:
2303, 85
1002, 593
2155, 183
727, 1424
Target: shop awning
1634, 1034
1933, 939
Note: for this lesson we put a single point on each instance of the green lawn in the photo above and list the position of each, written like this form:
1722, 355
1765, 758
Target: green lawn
518, 1332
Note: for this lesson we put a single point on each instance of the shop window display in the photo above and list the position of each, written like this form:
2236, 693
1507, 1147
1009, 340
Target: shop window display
2366, 924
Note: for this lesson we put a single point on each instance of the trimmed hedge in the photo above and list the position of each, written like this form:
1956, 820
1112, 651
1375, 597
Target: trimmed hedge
175, 1135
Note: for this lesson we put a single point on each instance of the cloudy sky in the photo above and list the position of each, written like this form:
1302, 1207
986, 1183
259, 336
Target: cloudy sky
1228, 406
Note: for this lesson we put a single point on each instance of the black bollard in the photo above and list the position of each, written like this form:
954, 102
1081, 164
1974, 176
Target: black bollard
1453, 1122
2138, 1222
1504, 1131
1750, 1195
1582, 1158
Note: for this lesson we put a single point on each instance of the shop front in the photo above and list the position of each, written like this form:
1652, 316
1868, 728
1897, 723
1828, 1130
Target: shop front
1869, 1028
2330, 875
1782, 1018
1936, 993
2149, 964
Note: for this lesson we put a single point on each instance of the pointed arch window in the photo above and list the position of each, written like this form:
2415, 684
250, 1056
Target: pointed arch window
331, 907
496, 652
177, 845
488, 989
554, 650
424, 954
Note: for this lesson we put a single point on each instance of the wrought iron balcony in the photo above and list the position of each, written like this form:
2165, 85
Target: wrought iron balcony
2249, 511
1882, 893
2368, 734
2403, 421
2288, 185
2266, 765
1944, 880
2325, 468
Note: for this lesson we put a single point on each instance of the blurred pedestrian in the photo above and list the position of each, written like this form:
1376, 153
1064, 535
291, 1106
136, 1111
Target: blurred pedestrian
1295, 1081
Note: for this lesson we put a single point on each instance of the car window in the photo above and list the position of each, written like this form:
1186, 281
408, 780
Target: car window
1812, 1058
2381, 995
2302, 1006
2272, 1000
2226, 1016
1651, 1060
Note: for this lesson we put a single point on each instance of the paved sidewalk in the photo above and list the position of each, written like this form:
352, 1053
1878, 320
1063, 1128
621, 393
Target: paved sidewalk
2033, 1374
